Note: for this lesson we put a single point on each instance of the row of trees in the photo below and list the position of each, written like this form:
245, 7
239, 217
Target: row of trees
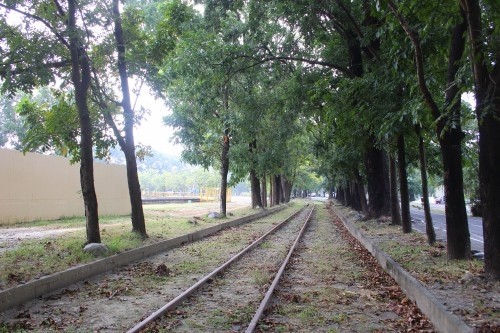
261, 88
357, 82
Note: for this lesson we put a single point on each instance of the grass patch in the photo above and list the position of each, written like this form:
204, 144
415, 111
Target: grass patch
259, 278
310, 315
38, 257
429, 263
186, 267
219, 320
266, 245
68, 222
339, 318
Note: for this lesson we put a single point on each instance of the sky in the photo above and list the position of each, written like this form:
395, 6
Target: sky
155, 133
152, 131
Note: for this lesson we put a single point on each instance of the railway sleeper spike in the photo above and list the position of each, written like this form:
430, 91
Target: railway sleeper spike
267, 298
184, 295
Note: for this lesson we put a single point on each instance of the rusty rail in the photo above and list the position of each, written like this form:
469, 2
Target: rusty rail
180, 298
269, 293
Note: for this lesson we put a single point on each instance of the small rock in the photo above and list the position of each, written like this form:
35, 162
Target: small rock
214, 215
97, 249
193, 221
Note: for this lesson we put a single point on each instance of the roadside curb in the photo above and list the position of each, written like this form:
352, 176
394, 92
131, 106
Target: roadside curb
18, 295
443, 320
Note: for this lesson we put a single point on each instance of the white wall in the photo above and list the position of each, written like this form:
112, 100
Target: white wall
35, 186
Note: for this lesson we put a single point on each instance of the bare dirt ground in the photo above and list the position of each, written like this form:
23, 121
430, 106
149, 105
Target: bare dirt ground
9, 235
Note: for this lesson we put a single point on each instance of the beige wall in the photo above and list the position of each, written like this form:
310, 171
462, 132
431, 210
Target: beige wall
35, 186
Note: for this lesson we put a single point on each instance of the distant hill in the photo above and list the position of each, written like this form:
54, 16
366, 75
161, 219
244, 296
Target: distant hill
159, 162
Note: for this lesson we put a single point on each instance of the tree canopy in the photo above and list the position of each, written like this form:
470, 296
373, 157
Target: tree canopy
275, 90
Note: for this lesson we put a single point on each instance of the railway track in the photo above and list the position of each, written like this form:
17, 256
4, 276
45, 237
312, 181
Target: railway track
127, 293
241, 284
328, 285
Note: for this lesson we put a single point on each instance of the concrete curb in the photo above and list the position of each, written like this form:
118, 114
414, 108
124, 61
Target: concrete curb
443, 320
18, 295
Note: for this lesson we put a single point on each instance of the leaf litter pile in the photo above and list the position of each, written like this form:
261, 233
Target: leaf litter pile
460, 286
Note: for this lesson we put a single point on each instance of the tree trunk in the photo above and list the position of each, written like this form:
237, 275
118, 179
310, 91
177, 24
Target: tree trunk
263, 193
457, 228
429, 227
403, 187
255, 188
361, 193
489, 180
271, 191
128, 144
134, 187
277, 190
377, 176
223, 172
355, 197
282, 189
487, 113
347, 196
286, 189
80, 77
340, 195
395, 211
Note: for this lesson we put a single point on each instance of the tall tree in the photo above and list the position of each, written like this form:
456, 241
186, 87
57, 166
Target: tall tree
395, 210
485, 60
127, 142
60, 43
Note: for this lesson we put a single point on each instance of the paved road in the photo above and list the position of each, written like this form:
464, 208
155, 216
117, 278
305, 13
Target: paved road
438, 218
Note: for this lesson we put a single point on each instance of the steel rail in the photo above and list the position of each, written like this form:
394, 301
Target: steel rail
181, 297
263, 305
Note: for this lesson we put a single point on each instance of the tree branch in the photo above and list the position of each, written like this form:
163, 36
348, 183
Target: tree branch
60, 10
57, 64
339, 68
479, 69
357, 28
419, 59
39, 19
